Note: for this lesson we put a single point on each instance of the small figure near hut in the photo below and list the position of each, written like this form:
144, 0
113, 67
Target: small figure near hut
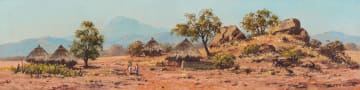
152, 48
184, 52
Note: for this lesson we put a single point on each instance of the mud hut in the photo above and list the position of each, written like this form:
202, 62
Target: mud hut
38, 55
62, 56
183, 53
152, 48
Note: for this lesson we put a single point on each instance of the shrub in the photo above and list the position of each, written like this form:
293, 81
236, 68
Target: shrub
46, 69
222, 61
116, 50
292, 54
251, 49
314, 43
334, 51
135, 48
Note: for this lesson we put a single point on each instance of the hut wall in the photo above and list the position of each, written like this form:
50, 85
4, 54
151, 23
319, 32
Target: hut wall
152, 53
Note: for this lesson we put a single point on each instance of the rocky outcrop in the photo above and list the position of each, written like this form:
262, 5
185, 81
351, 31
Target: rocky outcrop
292, 27
266, 48
228, 34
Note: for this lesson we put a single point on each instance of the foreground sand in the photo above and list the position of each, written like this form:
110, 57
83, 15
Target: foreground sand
105, 77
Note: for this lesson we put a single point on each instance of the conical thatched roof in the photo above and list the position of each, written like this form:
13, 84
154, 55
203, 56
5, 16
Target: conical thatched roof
61, 54
152, 45
184, 51
37, 55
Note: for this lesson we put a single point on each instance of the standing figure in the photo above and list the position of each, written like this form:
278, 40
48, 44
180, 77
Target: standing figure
129, 67
137, 69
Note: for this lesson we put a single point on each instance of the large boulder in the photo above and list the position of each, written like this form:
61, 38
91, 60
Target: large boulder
292, 27
228, 34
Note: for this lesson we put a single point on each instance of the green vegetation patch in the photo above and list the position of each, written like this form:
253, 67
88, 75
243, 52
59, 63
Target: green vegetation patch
46, 69
222, 61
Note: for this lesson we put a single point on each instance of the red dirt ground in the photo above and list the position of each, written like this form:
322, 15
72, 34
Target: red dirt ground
104, 78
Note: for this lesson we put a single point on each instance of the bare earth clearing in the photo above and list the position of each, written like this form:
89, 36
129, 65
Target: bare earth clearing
107, 74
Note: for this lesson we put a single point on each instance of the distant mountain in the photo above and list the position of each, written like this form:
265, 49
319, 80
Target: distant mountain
124, 30
333, 35
120, 30
24, 47
124, 25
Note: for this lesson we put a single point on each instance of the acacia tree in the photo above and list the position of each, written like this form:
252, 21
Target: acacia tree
88, 42
135, 48
257, 23
203, 27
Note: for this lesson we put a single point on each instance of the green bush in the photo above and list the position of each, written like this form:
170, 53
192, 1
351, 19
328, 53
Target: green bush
251, 49
335, 51
292, 54
135, 48
46, 69
222, 61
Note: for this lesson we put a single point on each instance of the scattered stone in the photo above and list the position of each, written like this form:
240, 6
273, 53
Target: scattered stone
96, 74
163, 69
300, 85
352, 82
152, 69
7, 81
245, 84
234, 84
197, 83
118, 83
227, 81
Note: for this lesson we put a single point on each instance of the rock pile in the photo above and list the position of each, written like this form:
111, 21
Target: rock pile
291, 26
227, 34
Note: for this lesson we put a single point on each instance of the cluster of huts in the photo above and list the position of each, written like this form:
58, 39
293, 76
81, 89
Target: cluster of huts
180, 54
183, 52
60, 56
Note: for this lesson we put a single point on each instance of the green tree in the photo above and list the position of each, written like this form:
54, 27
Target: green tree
88, 42
203, 27
135, 48
257, 23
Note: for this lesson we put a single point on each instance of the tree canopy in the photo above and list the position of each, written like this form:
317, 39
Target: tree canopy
257, 23
204, 27
88, 42
135, 48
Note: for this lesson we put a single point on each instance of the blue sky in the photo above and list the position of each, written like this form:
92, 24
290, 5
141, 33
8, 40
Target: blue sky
22, 19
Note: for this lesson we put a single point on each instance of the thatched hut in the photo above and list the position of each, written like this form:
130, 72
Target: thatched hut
152, 48
182, 53
38, 55
62, 56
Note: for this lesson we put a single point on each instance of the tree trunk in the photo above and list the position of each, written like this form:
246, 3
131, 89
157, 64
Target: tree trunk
206, 49
86, 63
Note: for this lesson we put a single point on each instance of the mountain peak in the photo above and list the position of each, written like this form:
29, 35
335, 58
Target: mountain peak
335, 35
123, 20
